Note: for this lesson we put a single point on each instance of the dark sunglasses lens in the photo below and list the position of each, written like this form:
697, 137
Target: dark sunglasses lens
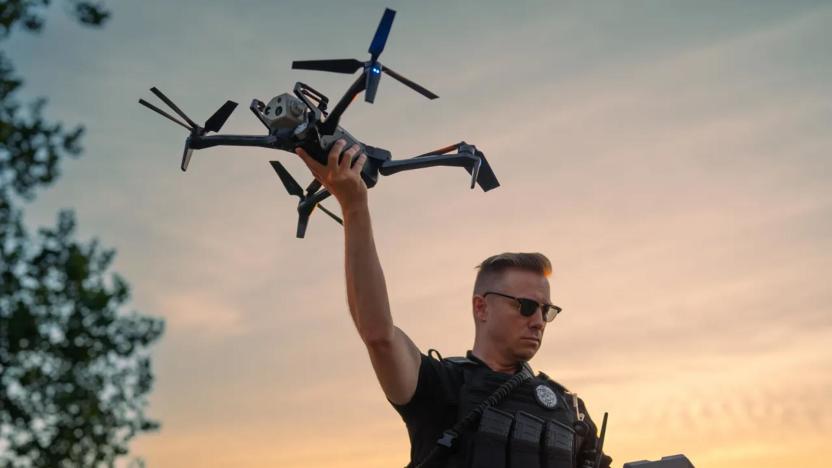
528, 307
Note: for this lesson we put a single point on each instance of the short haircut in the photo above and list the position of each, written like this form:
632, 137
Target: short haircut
493, 267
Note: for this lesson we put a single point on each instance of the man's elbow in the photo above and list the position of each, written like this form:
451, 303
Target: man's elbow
378, 337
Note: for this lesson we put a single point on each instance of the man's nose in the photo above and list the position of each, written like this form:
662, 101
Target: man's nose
536, 320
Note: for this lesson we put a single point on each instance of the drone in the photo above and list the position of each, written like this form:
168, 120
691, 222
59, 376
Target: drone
301, 119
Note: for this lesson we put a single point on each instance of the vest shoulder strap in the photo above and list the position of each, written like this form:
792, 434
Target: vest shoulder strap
460, 361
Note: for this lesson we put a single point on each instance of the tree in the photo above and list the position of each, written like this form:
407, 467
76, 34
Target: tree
74, 366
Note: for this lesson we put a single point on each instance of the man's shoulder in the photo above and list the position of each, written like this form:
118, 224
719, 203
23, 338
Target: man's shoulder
451, 363
447, 371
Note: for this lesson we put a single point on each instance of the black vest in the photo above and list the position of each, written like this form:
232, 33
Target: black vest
534, 427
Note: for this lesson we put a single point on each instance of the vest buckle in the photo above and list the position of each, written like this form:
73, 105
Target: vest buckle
448, 438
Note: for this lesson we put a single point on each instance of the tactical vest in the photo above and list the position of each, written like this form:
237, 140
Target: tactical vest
534, 427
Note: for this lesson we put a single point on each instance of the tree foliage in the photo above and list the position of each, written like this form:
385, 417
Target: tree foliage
74, 365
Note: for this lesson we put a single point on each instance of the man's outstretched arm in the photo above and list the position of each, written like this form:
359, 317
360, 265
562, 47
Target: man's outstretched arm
394, 356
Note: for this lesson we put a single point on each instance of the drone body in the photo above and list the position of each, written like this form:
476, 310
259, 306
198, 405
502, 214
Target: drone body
301, 120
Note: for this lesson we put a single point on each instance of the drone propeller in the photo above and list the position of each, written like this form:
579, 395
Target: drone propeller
288, 181
372, 68
213, 124
382, 31
331, 214
348, 66
216, 121
170, 104
410, 84
164, 114
304, 207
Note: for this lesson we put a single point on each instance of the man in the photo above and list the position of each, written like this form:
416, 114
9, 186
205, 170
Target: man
537, 423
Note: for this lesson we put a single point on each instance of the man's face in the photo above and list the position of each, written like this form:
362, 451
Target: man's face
513, 335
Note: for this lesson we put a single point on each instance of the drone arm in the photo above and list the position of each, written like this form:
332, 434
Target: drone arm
200, 142
315, 198
419, 162
334, 117
475, 164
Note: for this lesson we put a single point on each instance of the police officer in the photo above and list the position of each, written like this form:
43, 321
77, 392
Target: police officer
531, 422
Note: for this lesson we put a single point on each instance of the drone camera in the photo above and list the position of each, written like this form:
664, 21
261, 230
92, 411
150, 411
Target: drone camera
285, 111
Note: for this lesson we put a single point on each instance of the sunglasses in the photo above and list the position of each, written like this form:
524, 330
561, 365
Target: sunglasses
529, 306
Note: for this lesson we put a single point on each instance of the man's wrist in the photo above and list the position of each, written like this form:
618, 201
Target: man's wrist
355, 208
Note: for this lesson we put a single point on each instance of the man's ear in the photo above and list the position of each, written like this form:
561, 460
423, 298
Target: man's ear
479, 307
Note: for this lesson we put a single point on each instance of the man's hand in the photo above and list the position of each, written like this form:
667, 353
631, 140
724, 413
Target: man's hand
341, 180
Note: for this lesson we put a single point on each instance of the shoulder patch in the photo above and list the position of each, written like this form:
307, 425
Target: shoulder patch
549, 379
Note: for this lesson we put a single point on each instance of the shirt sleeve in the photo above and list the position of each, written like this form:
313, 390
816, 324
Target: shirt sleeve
431, 389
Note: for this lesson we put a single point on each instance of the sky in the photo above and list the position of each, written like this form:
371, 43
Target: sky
673, 159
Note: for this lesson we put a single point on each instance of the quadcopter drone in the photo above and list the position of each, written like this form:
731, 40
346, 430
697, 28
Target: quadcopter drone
301, 120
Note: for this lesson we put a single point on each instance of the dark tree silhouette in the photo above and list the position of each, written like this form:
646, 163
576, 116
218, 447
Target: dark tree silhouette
74, 365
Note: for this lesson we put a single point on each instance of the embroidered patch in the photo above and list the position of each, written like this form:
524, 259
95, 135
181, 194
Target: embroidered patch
546, 397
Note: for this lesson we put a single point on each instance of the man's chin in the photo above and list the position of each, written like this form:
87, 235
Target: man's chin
526, 353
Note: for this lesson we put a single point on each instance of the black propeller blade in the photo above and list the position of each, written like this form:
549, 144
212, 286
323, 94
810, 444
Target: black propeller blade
409, 84
170, 104
331, 214
383, 30
348, 66
304, 210
163, 113
216, 121
288, 181
213, 124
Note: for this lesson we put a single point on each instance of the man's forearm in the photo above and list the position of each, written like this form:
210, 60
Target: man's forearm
366, 289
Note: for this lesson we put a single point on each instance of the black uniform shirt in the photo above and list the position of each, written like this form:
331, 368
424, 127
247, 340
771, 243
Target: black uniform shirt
435, 404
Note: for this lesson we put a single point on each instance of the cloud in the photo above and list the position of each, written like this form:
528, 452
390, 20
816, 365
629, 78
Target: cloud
200, 314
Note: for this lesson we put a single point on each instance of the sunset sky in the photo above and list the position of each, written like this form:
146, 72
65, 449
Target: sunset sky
673, 159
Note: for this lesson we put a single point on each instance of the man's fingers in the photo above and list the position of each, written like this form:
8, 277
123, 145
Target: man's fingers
334, 152
359, 163
346, 159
